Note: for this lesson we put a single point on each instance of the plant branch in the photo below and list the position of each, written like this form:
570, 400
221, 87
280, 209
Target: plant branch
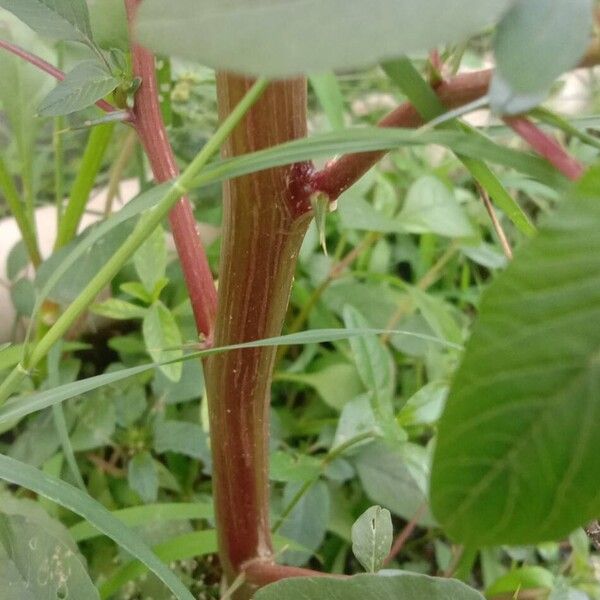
547, 146
261, 572
45, 66
148, 122
496, 223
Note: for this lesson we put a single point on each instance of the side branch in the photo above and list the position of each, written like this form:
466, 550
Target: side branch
148, 122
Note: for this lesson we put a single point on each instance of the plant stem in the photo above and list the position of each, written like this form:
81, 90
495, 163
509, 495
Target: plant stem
17, 209
265, 218
151, 130
546, 146
147, 223
87, 172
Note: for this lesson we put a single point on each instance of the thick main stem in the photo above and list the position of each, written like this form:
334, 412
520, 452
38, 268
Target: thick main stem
264, 223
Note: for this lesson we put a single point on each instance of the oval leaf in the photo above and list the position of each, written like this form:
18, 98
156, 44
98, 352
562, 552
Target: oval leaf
517, 452
163, 339
372, 536
87, 83
537, 41
60, 19
279, 39
369, 587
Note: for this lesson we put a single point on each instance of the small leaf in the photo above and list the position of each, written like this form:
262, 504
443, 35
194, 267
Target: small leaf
299, 36
396, 478
142, 476
60, 19
182, 437
163, 339
431, 207
330, 97
372, 536
405, 586
307, 522
537, 41
117, 309
87, 83
150, 260
376, 369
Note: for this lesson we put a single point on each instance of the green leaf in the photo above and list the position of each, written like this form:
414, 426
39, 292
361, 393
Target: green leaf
115, 308
376, 369
163, 339
431, 207
142, 476
87, 83
182, 437
536, 42
517, 441
330, 97
284, 466
150, 260
67, 271
37, 565
336, 383
369, 587
522, 578
78, 502
300, 36
307, 522
60, 19
372, 537
396, 478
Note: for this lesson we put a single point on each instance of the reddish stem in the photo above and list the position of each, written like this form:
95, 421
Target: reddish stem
148, 122
547, 146
260, 573
343, 172
45, 66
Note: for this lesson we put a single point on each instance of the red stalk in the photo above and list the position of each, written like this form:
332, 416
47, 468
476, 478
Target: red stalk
148, 122
546, 146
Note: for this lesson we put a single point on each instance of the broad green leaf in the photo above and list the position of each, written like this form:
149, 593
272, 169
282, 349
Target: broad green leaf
409, 586
536, 42
431, 207
396, 478
96, 424
182, 437
115, 308
109, 23
372, 537
80, 503
60, 19
357, 418
21, 406
87, 83
356, 213
163, 339
517, 441
330, 97
142, 476
307, 522
376, 369
299, 36
150, 260
37, 565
